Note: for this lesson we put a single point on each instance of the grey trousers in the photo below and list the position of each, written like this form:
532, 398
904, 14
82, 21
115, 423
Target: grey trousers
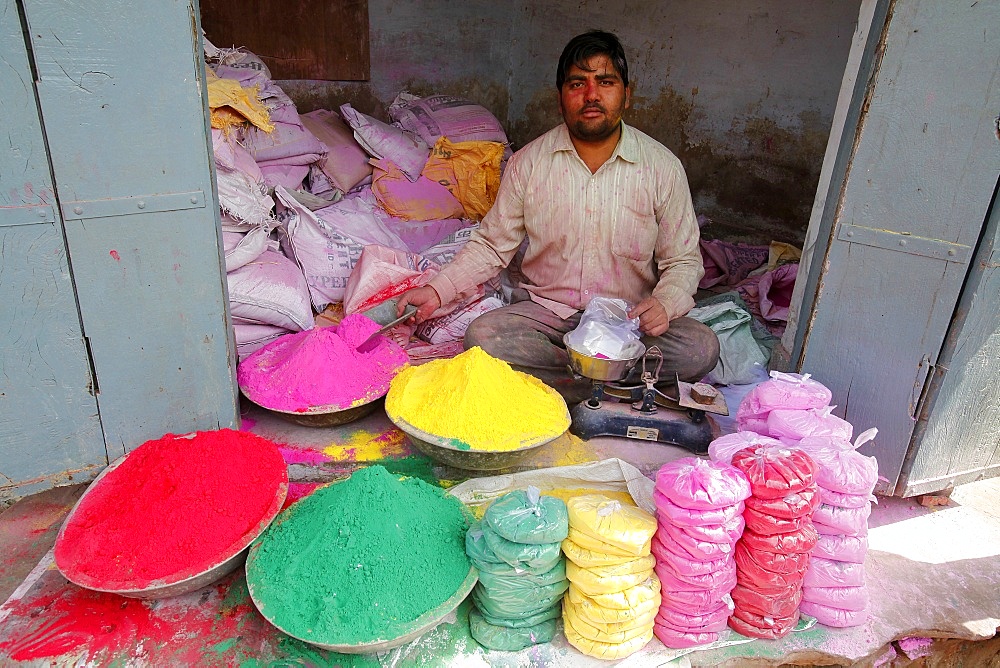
528, 336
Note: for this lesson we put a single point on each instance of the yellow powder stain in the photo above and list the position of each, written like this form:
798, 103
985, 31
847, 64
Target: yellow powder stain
365, 447
566, 450
477, 401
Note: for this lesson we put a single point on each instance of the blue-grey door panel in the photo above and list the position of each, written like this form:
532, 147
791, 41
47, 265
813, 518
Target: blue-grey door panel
121, 91
49, 424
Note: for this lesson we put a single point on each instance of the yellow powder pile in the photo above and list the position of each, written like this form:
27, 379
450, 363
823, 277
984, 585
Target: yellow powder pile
477, 401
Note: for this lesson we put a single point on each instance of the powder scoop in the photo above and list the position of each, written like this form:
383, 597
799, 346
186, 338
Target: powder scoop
369, 344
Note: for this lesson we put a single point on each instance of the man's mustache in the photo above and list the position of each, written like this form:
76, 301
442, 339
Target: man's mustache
593, 107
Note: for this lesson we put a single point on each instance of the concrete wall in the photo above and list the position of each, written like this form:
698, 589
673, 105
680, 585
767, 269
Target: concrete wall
743, 91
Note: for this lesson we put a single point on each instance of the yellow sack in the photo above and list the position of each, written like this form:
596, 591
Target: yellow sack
599, 546
598, 614
588, 558
470, 170
626, 527
603, 650
626, 606
232, 104
592, 584
637, 565
601, 632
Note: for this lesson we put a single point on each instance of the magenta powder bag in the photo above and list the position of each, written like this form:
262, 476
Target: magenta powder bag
698, 484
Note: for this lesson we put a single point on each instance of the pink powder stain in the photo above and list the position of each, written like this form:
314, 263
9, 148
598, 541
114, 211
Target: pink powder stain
113, 253
298, 490
321, 367
293, 455
247, 424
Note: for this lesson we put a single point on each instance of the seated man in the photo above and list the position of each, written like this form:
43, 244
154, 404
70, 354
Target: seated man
607, 212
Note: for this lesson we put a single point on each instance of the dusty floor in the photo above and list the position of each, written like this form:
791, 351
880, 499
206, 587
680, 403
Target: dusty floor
933, 574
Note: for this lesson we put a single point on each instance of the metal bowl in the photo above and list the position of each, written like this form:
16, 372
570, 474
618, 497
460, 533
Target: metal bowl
324, 416
182, 583
411, 631
448, 452
599, 368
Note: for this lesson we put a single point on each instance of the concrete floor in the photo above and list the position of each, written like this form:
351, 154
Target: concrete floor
933, 575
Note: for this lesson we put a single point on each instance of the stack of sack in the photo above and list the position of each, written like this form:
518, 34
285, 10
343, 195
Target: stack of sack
522, 575
834, 591
773, 553
699, 507
328, 184
614, 594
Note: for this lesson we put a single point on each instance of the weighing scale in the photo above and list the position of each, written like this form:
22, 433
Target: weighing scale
624, 408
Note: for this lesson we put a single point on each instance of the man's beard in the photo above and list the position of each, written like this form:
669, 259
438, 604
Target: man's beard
593, 130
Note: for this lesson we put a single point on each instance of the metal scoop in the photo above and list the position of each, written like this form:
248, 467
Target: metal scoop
369, 344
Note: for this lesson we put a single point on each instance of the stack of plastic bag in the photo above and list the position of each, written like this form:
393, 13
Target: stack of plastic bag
699, 519
773, 554
522, 575
834, 591
614, 593
783, 392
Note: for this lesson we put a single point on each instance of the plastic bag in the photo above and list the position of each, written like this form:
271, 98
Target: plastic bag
845, 500
633, 622
525, 516
626, 527
478, 550
593, 611
540, 558
771, 562
739, 353
524, 604
721, 580
841, 468
792, 425
638, 565
825, 529
592, 584
767, 605
792, 506
346, 164
422, 199
757, 626
729, 532
768, 525
802, 540
696, 601
601, 632
783, 390
845, 598
469, 170
518, 582
700, 484
828, 573
606, 330
687, 622
385, 141
435, 116
671, 512
751, 574
775, 472
849, 521
595, 545
637, 598
676, 640
588, 558
603, 650
723, 448
687, 565
270, 291
552, 612
508, 639
842, 548
678, 542
835, 617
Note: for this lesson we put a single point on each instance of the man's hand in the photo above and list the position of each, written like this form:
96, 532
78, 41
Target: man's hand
426, 300
653, 320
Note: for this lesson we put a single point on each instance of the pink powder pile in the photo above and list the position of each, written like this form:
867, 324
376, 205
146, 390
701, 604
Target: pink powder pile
321, 367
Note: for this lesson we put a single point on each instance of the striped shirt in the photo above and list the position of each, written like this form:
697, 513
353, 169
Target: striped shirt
627, 231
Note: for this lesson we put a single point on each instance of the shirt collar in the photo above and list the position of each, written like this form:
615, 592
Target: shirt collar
627, 148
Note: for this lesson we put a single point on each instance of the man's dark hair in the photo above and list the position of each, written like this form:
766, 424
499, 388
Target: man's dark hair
584, 47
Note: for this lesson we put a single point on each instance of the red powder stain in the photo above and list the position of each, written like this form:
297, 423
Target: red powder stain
298, 490
388, 293
174, 507
247, 424
176, 266
294, 455
113, 253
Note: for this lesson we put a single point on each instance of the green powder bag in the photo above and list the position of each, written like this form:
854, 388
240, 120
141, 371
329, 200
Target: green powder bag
523, 603
358, 561
508, 639
521, 581
520, 622
477, 549
525, 516
537, 558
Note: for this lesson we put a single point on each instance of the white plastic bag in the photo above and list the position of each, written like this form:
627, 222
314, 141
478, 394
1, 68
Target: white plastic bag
605, 330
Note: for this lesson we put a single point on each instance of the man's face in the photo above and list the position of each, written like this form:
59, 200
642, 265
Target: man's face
593, 100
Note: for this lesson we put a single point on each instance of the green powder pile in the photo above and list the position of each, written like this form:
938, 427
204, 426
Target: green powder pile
357, 561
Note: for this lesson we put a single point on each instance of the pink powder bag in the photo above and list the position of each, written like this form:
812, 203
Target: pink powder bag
775, 472
670, 511
845, 500
835, 617
792, 506
792, 425
723, 448
698, 602
850, 521
677, 640
722, 580
699, 484
698, 549
729, 532
828, 573
841, 548
688, 623
686, 566
845, 598
768, 525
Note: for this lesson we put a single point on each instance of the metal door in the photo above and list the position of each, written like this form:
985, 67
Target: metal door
49, 424
914, 184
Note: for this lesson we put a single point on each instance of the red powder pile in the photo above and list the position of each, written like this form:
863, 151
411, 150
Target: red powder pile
173, 508
321, 367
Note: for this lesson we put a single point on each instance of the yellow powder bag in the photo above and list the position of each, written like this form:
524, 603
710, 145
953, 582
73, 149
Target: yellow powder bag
592, 584
627, 527
588, 558
597, 545
470, 170
478, 402
634, 597
593, 612
638, 565
603, 650
227, 98
609, 633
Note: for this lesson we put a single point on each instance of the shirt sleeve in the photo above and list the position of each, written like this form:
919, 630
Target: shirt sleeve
677, 255
493, 245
